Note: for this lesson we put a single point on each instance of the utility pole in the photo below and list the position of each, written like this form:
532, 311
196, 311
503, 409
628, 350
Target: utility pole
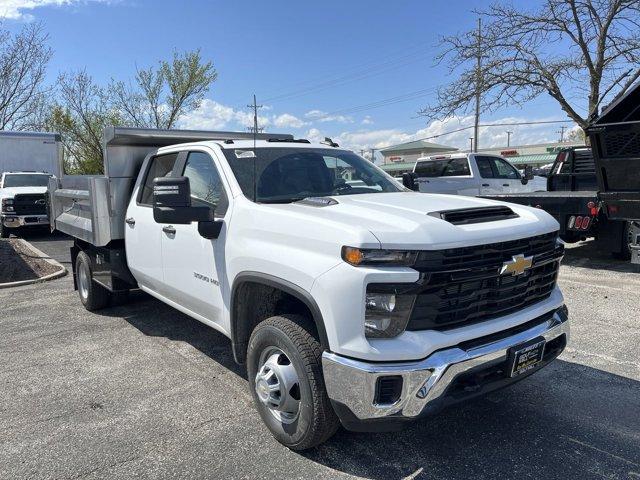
471, 144
476, 126
561, 132
509, 138
373, 155
255, 107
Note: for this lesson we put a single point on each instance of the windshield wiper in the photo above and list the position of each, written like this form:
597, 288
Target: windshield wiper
280, 199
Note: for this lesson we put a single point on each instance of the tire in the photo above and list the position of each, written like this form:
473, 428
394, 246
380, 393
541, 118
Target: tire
4, 231
625, 249
93, 296
289, 338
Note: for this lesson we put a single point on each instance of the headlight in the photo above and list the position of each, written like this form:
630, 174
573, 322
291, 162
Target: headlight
386, 313
369, 256
7, 205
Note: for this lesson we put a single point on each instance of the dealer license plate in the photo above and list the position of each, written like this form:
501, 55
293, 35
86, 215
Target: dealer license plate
526, 357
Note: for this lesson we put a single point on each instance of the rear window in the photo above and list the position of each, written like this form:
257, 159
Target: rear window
160, 166
450, 167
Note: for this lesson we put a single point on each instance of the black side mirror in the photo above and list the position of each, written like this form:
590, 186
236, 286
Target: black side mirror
172, 202
528, 172
409, 180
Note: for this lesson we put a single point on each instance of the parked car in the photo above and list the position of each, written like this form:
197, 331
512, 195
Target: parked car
470, 174
362, 304
23, 201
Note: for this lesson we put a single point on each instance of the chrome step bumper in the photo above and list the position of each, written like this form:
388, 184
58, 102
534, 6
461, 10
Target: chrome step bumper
352, 383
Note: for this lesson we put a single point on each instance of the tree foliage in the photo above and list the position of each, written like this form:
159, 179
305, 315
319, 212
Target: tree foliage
582, 53
156, 98
23, 63
162, 94
82, 111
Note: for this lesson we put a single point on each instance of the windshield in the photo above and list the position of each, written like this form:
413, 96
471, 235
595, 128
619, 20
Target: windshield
24, 180
282, 175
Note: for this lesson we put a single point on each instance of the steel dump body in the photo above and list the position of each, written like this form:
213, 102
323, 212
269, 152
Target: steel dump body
92, 208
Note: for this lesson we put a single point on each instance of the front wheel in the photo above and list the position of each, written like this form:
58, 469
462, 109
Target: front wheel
286, 382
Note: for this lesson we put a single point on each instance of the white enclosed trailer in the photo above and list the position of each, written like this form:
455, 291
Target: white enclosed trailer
31, 151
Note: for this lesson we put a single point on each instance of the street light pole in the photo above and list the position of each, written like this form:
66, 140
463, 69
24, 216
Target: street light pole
509, 138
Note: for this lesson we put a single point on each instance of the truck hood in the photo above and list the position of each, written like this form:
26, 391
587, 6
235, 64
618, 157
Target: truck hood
401, 220
11, 192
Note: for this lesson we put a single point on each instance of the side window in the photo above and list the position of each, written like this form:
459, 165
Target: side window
484, 166
505, 170
205, 183
159, 166
456, 167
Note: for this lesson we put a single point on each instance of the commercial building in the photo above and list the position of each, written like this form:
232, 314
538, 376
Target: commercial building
401, 158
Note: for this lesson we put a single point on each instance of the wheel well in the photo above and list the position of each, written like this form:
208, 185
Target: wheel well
256, 300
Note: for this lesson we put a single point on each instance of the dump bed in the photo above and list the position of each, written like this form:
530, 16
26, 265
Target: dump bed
93, 208
615, 140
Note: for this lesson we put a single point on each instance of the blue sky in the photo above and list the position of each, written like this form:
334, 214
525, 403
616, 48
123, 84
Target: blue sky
310, 63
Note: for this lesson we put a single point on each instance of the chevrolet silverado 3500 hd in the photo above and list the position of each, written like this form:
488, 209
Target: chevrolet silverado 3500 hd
350, 299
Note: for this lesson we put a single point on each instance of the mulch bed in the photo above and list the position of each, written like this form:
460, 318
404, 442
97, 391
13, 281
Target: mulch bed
19, 263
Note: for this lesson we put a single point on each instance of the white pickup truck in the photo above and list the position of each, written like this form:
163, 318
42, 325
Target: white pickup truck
22, 201
363, 304
471, 174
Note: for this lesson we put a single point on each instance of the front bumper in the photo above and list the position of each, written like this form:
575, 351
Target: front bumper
15, 221
447, 376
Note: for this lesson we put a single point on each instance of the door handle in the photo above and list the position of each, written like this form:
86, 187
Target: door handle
485, 184
505, 184
130, 221
170, 230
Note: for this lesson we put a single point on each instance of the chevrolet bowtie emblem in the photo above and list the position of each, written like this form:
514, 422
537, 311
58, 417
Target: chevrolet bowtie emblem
517, 265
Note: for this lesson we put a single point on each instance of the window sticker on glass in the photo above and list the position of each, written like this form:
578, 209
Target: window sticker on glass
245, 154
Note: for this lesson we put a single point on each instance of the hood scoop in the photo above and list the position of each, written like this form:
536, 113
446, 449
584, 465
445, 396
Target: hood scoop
466, 216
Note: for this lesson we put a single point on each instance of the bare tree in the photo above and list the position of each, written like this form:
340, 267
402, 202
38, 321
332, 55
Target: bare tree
582, 53
23, 63
80, 115
162, 94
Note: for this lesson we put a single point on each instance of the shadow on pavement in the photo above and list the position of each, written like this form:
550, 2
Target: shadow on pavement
589, 255
155, 319
566, 421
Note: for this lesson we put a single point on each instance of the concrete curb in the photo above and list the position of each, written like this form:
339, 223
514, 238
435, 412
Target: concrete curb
39, 253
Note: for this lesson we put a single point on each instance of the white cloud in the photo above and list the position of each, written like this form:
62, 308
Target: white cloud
286, 120
320, 116
18, 9
489, 136
367, 120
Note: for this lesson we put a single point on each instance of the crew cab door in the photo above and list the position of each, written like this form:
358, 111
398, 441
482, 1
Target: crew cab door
142, 234
447, 175
503, 178
193, 266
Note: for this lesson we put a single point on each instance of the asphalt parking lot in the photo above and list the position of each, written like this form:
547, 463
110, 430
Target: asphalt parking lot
141, 390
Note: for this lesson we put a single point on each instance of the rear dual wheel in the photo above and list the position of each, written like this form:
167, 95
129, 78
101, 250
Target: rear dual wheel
92, 295
286, 382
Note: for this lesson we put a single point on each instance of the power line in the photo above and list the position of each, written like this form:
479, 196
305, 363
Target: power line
509, 124
384, 102
341, 80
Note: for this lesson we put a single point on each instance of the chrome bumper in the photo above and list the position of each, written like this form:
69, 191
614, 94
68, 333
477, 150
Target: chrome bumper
15, 221
352, 383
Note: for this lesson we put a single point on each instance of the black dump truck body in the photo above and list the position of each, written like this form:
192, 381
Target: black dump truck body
572, 199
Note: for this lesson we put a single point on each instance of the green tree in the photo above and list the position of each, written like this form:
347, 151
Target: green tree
160, 95
80, 114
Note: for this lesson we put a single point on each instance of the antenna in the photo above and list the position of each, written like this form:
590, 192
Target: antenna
255, 130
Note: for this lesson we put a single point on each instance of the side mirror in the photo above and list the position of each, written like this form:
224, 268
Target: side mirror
409, 180
528, 172
172, 202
